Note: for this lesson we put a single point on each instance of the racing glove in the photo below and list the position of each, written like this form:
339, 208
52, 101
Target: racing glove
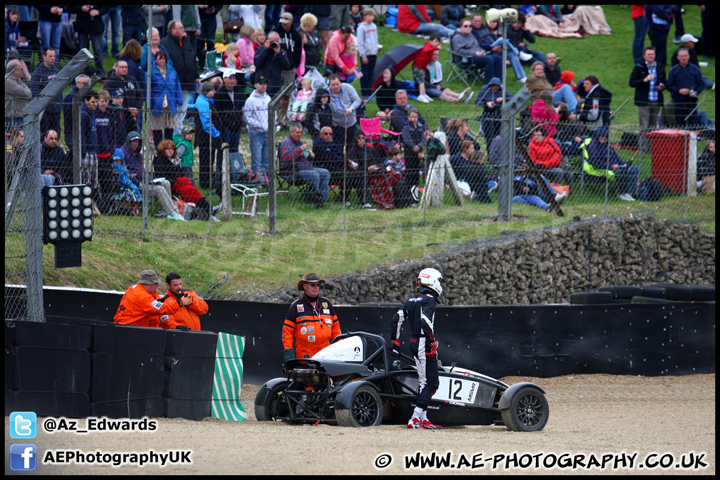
186, 300
433, 349
289, 354
396, 346
183, 328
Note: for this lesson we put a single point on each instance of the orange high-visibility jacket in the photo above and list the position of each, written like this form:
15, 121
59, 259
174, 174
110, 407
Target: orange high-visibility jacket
188, 315
309, 329
143, 309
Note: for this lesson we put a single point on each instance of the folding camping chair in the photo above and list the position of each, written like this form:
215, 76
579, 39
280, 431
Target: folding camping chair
461, 67
246, 183
372, 130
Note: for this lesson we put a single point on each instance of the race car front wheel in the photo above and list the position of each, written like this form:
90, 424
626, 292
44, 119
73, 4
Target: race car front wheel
365, 410
528, 411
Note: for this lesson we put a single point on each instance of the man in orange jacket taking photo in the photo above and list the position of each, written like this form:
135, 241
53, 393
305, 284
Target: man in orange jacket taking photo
141, 306
193, 306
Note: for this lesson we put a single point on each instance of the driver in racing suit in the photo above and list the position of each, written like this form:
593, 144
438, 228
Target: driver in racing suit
311, 323
419, 311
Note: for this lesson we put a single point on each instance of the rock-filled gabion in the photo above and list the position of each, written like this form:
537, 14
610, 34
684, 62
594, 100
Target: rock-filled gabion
542, 266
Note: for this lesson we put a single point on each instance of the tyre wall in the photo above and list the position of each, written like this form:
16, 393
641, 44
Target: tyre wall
675, 337
82, 367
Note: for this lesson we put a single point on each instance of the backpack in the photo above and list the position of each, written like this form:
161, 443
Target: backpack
184, 208
651, 190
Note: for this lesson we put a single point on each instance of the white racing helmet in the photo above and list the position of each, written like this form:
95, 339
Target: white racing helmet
430, 278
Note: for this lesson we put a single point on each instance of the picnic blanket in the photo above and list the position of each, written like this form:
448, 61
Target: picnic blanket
589, 20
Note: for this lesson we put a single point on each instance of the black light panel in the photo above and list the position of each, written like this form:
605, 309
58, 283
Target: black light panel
67, 214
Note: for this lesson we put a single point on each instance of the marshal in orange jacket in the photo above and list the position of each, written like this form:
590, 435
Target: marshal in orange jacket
188, 315
143, 309
308, 330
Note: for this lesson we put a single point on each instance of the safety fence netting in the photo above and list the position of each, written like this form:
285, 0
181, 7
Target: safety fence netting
351, 172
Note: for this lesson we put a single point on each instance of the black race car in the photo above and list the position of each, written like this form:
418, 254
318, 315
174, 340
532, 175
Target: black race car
358, 382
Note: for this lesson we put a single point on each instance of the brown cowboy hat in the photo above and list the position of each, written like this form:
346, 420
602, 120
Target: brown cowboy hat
309, 278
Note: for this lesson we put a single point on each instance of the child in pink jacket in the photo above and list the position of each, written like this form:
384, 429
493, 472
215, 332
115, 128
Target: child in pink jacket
304, 97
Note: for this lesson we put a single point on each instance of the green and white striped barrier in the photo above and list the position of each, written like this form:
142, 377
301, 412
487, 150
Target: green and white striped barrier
228, 379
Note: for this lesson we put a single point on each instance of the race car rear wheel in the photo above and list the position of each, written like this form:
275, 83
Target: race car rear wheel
528, 411
365, 410
275, 406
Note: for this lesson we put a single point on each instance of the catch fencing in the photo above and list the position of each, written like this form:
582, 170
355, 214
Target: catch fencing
453, 169
363, 195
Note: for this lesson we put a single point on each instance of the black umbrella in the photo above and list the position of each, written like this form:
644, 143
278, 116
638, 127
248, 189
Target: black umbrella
397, 58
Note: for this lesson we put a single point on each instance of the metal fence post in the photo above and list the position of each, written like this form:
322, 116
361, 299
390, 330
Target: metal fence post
507, 153
28, 179
272, 172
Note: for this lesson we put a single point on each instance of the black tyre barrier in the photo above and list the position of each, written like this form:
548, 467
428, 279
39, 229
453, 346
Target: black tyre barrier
10, 402
107, 375
184, 408
54, 404
135, 408
642, 299
39, 334
680, 293
63, 369
10, 332
189, 378
591, 298
132, 377
125, 339
653, 292
198, 344
10, 362
622, 291
703, 293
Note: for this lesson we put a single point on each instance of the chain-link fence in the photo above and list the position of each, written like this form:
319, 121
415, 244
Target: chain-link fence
29, 109
169, 182
622, 171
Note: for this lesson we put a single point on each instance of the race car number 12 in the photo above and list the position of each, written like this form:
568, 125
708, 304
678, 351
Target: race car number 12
455, 389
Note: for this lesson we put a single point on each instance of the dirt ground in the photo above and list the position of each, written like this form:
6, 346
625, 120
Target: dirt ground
598, 424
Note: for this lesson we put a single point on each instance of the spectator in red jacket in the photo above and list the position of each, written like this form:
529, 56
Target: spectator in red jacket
420, 63
546, 155
545, 114
414, 19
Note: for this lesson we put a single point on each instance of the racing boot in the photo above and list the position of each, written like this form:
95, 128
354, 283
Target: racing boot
429, 426
415, 423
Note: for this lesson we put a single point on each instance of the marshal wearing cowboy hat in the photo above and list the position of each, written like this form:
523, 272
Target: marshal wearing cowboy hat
311, 323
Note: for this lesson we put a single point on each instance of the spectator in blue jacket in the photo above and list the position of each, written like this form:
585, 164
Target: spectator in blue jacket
165, 98
685, 82
208, 137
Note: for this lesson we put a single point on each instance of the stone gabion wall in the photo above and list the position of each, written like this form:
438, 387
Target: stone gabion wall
543, 266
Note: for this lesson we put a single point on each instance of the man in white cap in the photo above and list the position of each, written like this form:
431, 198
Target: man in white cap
141, 305
688, 42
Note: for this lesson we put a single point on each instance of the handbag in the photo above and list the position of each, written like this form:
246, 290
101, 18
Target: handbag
708, 185
234, 25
